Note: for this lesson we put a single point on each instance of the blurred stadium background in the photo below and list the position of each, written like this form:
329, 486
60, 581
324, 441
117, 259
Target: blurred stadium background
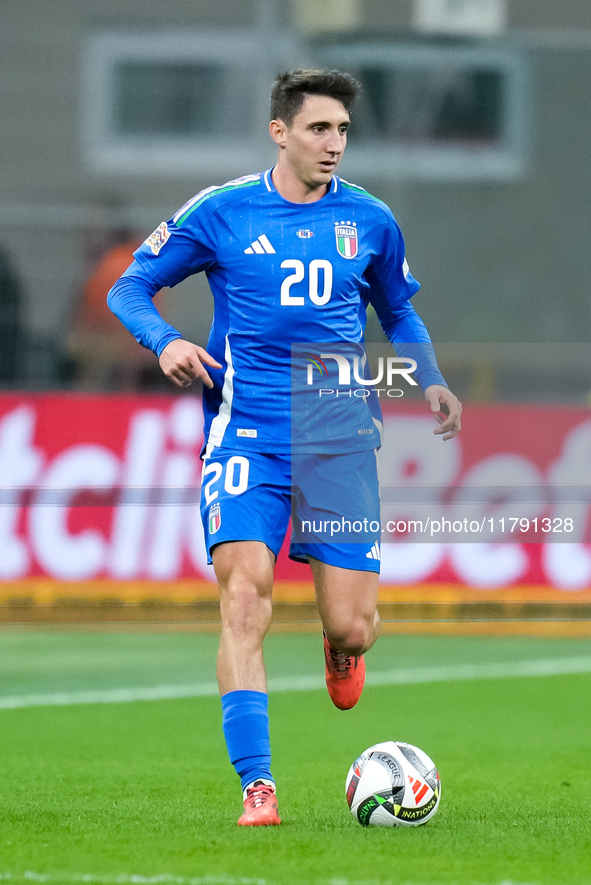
474, 127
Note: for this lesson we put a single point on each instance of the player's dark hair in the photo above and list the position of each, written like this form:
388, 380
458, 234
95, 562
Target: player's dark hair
290, 89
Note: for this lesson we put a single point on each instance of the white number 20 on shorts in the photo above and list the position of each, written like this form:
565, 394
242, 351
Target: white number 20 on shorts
236, 468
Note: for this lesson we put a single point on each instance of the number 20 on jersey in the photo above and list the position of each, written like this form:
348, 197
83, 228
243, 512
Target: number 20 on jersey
319, 281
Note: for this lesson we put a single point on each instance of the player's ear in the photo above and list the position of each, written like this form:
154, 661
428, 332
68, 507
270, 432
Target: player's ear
277, 130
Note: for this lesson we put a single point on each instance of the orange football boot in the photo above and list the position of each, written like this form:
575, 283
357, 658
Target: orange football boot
260, 805
345, 676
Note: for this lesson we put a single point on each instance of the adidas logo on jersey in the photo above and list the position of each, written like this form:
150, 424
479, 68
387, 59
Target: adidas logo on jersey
374, 553
261, 246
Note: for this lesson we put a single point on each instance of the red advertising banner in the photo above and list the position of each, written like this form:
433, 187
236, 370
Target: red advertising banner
102, 488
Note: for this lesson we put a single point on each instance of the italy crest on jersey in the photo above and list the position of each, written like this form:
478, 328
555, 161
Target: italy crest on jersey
347, 242
215, 519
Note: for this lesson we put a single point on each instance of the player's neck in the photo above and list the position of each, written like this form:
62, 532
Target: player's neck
291, 188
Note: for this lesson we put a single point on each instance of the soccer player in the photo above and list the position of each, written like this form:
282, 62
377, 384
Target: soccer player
294, 254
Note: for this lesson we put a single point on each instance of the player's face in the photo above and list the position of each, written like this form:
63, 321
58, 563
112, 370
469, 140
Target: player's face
313, 145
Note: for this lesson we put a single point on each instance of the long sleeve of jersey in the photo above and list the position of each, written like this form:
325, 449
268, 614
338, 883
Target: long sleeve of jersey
130, 299
407, 332
392, 286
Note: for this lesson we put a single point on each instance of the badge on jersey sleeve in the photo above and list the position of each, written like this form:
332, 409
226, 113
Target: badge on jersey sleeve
157, 240
347, 242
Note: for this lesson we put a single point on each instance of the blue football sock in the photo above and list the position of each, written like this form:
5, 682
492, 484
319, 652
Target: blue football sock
246, 730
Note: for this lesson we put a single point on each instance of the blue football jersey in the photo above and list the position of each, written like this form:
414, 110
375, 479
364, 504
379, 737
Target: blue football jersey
281, 273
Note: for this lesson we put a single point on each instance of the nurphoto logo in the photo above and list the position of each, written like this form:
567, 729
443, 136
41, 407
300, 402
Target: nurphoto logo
389, 369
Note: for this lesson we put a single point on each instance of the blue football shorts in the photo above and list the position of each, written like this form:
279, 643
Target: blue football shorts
333, 501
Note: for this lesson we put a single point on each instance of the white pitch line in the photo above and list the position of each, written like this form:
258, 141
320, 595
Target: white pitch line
128, 879
414, 676
110, 696
503, 670
170, 879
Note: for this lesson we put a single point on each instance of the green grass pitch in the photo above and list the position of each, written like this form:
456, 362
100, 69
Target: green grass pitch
142, 792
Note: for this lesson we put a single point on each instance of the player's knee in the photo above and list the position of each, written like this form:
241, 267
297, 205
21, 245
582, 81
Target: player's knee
245, 607
353, 636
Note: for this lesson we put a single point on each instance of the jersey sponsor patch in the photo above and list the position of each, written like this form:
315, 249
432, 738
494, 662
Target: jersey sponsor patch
304, 233
157, 240
347, 240
245, 431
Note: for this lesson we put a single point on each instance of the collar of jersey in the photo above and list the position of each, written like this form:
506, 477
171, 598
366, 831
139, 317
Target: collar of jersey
268, 182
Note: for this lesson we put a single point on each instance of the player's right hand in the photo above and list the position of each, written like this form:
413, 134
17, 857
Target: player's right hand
183, 362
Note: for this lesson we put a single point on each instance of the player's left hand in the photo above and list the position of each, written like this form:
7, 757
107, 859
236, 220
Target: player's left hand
447, 409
